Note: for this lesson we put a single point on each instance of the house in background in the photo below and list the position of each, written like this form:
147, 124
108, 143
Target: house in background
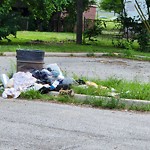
90, 13
88, 20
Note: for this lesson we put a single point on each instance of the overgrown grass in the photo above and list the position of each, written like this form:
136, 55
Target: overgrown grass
61, 42
121, 88
125, 89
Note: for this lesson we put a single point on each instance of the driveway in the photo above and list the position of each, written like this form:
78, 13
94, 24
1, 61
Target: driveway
28, 125
100, 68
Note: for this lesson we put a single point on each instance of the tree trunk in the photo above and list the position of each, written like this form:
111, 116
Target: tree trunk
79, 21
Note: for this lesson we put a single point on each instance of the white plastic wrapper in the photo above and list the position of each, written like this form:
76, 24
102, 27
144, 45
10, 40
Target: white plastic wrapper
4, 79
21, 82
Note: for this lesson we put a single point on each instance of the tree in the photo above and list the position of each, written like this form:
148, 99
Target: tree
8, 19
75, 9
112, 5
40, 10
133, 28
43, 10
79, 21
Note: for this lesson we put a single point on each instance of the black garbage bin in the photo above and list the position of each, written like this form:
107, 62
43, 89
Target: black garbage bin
28, 60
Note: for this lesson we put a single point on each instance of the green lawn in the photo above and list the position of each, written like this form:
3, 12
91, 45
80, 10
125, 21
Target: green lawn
61, 42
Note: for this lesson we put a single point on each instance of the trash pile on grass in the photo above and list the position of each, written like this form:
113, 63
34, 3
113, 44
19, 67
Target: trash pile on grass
45, 80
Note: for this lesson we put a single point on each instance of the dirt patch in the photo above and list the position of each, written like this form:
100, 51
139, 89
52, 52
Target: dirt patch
115, 62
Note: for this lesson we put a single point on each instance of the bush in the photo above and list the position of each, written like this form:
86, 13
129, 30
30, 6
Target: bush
8, 20
93, 31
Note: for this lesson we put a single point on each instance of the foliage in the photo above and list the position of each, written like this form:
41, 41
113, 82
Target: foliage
39, 13
130, 31
31, 94
143, 38
8, 20
71, 6
43, 9
112, 5
93, 31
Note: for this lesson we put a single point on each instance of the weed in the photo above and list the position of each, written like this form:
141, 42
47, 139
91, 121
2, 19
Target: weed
128, 53
90, 55
71, 55
12, 69
31, 94
96, 102
126, 89
113, 103
140, 108
1, 54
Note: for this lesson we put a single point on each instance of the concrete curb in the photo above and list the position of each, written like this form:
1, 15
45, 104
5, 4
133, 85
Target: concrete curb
127, 102
82, 98
51, 54
59, 54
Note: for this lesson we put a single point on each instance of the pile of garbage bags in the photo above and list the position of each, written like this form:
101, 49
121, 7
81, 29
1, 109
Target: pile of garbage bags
44, 80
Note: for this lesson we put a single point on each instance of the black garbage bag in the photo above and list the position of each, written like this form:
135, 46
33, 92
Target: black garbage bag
44, 90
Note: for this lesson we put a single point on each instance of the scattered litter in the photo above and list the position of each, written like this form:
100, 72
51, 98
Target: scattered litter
21, 82
10, 83
4, 79
84, 86
103, 87
44, 80
113, 94
67, 92
127, 92
80, 81
93, 84
54, 67
11, 93
49, 78
113, 90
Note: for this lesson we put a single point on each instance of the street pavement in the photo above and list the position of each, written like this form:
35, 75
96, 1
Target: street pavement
35, 125
90, 67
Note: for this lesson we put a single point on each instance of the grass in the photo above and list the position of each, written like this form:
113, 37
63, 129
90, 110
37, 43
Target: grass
128, 90
121, 88
92, 102
63, 42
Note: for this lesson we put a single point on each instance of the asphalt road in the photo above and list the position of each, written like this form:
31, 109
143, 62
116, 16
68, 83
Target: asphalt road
99, 68
27, 125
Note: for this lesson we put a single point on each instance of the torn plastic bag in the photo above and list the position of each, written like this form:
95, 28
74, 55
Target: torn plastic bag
69, 81
43, 76
52, 67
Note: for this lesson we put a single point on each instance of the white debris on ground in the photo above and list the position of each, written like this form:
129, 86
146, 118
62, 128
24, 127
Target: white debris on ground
20, 82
